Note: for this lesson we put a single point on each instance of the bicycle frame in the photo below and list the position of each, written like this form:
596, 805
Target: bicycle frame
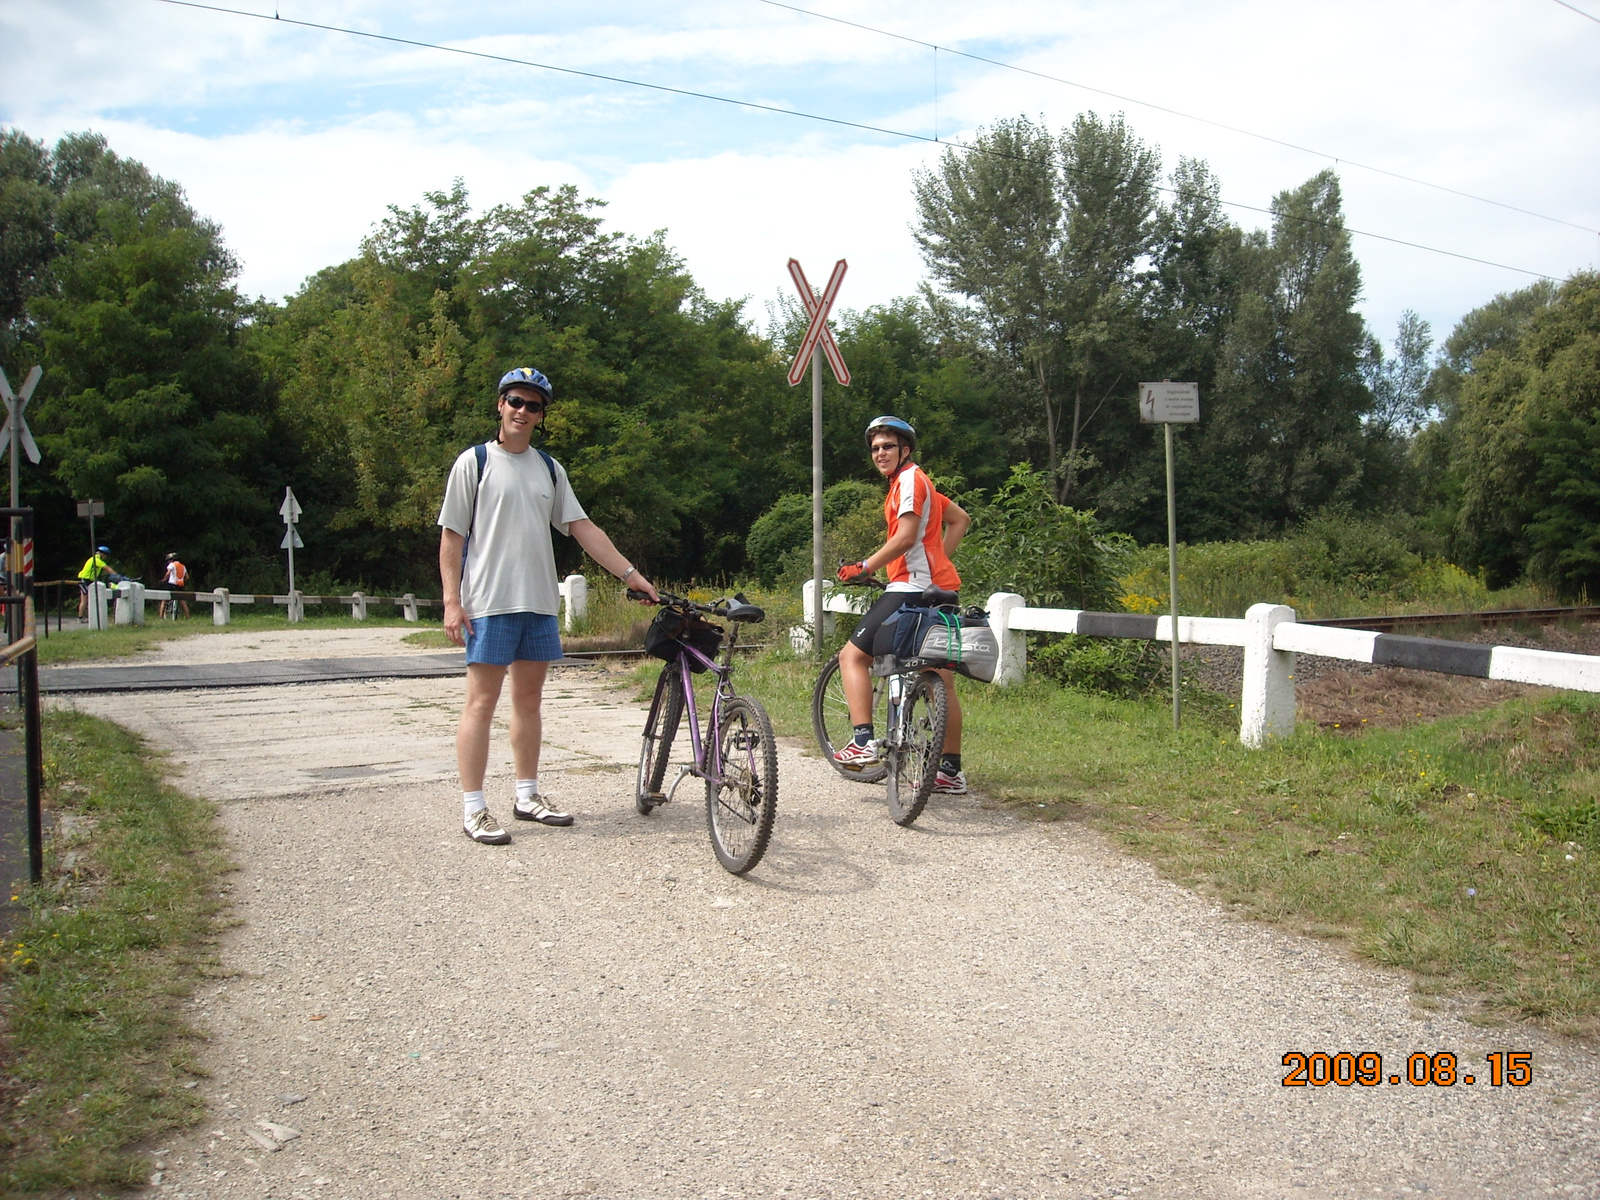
700, 767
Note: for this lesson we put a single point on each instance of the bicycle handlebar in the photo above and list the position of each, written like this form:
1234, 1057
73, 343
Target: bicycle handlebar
717, 608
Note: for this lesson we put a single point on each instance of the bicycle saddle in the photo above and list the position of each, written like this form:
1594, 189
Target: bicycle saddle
937, 597
745, 613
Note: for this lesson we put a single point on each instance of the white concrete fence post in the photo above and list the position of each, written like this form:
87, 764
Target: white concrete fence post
221, 607
358, 606
575, 601
800, 635
408, 606
1013, 666
130, 603
98, 593
1266, 701
297, 607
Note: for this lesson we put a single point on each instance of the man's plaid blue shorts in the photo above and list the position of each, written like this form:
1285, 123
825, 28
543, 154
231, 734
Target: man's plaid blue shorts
509, 637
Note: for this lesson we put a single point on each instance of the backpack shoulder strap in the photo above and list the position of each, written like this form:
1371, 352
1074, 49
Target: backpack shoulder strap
550, 465
481, 453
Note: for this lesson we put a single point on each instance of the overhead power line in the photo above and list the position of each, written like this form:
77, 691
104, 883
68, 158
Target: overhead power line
1173, 112
1579, 11
772, 108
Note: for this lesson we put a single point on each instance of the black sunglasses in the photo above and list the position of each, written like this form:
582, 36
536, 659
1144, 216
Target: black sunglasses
537, 406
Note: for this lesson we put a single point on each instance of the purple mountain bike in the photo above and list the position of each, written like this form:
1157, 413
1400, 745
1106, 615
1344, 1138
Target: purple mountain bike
738, 756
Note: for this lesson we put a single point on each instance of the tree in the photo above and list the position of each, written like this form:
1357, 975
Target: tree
1529, 446
1289, 420
665, 403
27, 230
1435, 455
1046, 238
147, 401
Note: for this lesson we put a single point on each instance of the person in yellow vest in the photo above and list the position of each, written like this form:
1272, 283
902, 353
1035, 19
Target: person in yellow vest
97, 569
176, 578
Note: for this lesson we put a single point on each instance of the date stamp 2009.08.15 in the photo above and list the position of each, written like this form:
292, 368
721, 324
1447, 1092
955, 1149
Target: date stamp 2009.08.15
1439, 1069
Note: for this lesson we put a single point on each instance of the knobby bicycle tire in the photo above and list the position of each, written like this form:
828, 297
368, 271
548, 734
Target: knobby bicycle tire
666, 710
741, 809
914, 765
830, 720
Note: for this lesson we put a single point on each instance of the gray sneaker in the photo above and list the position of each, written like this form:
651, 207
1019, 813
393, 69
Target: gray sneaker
482, 827
537, 808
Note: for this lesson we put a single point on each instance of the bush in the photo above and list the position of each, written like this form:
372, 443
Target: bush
1122, 667
1054, 556
1332, 566
785, 529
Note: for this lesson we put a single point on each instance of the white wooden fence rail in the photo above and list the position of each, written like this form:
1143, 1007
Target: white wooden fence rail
1271, 637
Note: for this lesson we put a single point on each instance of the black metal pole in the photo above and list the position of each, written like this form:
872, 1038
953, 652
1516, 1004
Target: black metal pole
35, 750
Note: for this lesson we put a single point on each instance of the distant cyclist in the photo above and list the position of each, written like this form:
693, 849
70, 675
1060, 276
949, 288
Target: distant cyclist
96, 570
924, 530
176, 578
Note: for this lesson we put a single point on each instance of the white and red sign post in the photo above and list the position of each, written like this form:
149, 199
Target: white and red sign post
817, 344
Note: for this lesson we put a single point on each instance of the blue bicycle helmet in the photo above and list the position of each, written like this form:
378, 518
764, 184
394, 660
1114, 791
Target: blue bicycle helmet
903, 428
526, 377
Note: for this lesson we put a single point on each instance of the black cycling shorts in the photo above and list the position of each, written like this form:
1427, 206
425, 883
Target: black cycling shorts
882, 609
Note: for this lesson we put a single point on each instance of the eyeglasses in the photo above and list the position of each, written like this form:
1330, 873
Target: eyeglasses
533, 406
884, 448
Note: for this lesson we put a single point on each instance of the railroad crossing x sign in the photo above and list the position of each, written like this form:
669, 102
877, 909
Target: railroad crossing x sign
16, 405
817, 331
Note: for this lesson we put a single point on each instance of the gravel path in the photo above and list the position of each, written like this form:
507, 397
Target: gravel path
976, 1007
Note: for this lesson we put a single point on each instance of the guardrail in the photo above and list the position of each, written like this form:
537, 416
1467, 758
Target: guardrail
1271, 637
124, 603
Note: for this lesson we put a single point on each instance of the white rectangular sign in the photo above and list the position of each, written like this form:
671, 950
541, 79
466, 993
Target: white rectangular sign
1169, 403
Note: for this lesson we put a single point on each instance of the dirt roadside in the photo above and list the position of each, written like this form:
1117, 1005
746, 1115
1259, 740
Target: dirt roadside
972, 1008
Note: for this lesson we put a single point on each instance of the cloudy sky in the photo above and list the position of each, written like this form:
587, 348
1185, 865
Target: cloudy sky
295, 139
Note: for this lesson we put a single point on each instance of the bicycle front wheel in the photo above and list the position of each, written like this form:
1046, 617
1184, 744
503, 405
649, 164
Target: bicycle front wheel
666, 710
830, 719
913, 763
742, 805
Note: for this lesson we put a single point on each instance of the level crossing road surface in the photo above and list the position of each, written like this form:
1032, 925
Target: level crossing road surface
976, 1007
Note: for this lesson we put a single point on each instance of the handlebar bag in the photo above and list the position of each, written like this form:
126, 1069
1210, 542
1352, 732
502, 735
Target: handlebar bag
661, 639
941, 638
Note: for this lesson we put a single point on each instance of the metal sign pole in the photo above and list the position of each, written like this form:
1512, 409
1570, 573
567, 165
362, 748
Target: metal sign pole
1172, 574
1165, 404
816, 501
817, 344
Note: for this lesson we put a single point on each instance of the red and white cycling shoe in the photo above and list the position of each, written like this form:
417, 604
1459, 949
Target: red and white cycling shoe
857, 758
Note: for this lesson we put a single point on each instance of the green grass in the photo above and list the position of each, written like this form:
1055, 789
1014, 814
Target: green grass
121, 641
430, 639
95, 1050
1466, 851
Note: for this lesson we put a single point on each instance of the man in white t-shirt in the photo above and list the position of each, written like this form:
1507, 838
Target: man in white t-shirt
500, 593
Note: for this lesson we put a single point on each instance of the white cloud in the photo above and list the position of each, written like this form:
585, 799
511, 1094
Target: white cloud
296, 141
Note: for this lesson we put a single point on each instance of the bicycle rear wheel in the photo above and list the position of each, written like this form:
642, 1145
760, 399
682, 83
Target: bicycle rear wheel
830, 719
741, 808
666, 710
913, 765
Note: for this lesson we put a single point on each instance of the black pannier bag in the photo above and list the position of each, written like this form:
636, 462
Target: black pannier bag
660, 639
920, 638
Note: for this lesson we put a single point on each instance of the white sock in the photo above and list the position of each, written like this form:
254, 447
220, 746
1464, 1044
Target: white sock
527, 789
472, 803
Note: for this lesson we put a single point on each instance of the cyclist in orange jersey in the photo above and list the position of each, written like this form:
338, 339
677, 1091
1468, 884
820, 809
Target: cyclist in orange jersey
924, 530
